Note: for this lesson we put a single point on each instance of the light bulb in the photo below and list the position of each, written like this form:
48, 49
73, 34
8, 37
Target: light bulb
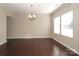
29, 16
34, 16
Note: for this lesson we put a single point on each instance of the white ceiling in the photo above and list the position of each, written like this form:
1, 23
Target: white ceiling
22, 8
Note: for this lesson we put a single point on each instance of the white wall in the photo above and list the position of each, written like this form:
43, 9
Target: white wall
72, 43
3, 25
21, 27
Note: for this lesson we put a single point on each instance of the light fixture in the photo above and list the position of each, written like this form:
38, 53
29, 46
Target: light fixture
31, 16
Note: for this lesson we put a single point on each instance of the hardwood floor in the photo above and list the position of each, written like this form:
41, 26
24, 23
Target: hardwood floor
34, 47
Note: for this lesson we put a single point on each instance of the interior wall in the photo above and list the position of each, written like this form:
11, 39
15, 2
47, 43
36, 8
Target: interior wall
3, 35
72, 43
3, 25
21, 27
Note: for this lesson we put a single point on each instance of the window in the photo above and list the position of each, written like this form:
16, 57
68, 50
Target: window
67, 24
57, 25
63, 24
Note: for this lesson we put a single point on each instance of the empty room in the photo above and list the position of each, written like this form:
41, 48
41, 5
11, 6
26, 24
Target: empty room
39, 29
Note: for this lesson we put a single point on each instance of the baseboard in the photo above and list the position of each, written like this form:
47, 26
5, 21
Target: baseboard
28, 37
67, 46
3, 42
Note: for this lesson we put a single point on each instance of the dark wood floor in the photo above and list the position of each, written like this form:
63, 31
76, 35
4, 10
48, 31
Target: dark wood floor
33, 47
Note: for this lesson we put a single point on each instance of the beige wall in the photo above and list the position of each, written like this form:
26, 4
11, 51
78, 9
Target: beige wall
21, 27
3, 25
3, 36
72, 43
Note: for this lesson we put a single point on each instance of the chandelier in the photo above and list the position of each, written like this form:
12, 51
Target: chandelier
31, 16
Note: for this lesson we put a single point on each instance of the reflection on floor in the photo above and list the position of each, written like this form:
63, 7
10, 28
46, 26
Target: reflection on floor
34, 47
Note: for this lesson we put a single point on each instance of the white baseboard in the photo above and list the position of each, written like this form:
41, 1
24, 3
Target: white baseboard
3, 42
67, 46
29, 37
